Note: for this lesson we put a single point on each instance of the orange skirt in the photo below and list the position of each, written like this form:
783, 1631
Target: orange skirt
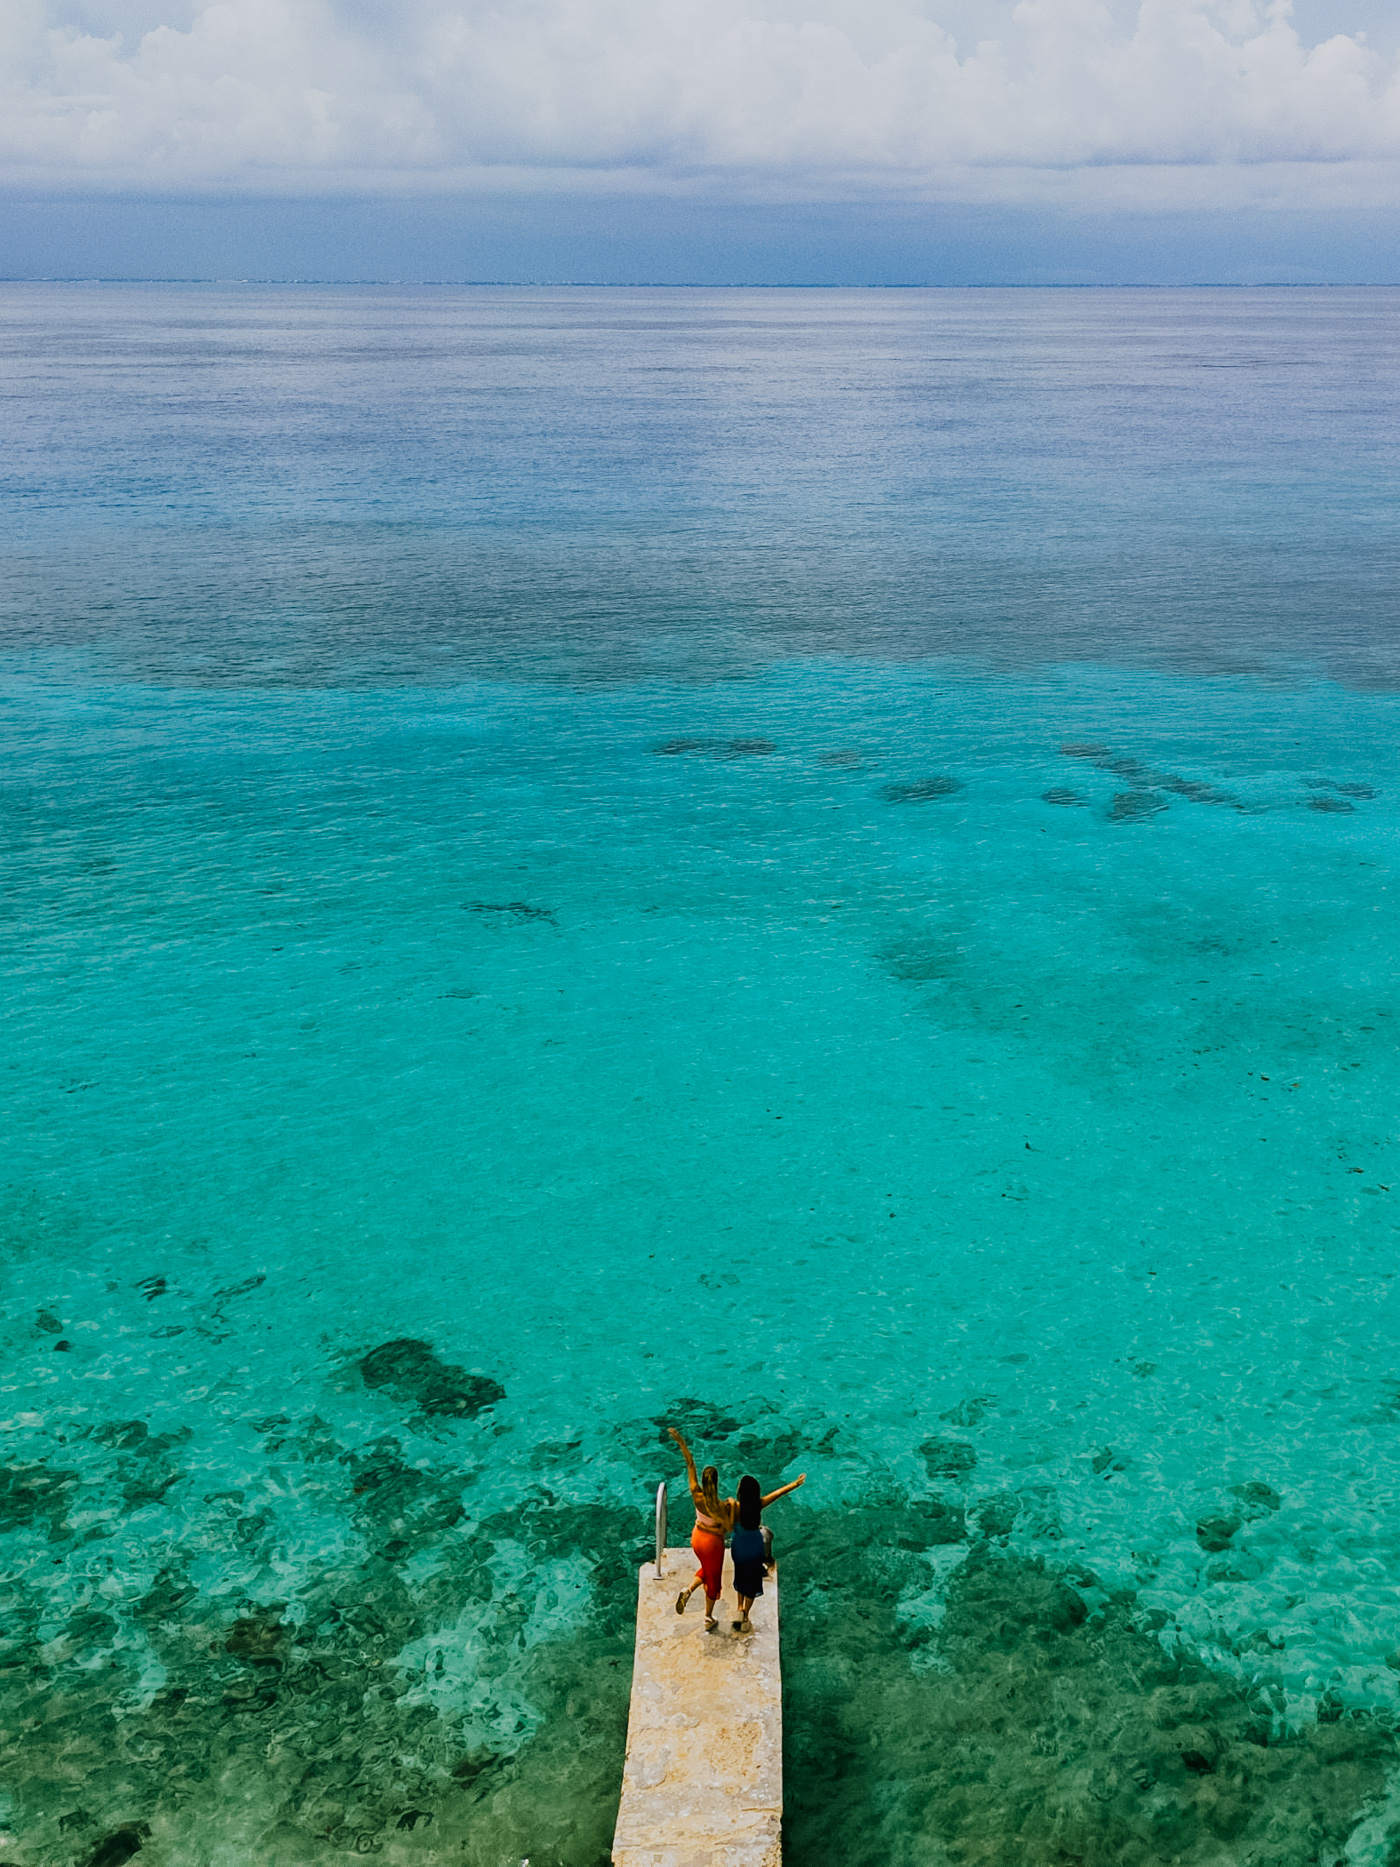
709, 1552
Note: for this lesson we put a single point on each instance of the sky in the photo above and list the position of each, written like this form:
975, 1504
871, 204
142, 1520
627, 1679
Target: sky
804, 141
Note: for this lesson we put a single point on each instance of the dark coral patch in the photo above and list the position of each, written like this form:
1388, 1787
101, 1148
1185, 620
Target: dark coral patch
409, 1370
920, 790
1049, 1732
1135, 806
948, 1458
714, 748
516, 910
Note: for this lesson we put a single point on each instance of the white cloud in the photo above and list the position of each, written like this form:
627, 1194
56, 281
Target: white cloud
1153, 103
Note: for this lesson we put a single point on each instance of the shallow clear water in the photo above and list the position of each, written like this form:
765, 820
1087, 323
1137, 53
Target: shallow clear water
816, 865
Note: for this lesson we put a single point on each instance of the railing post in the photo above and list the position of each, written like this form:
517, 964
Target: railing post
660, 1528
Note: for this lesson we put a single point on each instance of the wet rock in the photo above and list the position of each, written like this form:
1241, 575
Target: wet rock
1214, 1533
408, 1369
948, 1458
920, 790
1057, 794
1135, 806
713, 748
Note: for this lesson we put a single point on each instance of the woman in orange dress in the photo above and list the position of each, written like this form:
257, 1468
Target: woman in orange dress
714, 1519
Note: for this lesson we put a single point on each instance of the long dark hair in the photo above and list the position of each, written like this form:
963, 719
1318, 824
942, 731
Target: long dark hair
750, 1504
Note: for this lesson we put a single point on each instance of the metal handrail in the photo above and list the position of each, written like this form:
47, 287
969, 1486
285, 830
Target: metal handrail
660, 1527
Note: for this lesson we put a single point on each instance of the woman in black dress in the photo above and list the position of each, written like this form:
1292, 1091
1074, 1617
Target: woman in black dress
748, 1548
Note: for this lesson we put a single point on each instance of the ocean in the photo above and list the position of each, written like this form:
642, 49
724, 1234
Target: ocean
808, 865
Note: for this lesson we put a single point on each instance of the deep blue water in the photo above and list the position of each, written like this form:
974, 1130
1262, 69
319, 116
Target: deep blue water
812, 864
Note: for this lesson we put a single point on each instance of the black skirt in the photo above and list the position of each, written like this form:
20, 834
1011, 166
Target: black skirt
747, 1550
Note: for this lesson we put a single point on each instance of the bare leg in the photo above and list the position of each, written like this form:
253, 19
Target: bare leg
711, 1601
743, 1624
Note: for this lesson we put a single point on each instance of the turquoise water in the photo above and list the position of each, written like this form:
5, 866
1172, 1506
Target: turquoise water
817, 866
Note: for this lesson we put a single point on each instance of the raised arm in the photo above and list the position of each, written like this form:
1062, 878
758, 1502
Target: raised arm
691, 1472
783, 1490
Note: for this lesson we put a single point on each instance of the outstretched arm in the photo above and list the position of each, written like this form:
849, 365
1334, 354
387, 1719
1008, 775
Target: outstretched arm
783, 1490
691, 1472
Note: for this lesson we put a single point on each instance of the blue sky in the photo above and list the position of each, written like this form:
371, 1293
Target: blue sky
842, 141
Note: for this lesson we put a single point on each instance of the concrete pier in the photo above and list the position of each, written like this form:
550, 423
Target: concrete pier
703, 1781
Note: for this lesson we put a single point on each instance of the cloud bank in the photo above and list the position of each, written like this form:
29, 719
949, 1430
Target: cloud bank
1153, 103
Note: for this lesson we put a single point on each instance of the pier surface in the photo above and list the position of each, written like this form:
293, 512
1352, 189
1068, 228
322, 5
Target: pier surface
703, 1781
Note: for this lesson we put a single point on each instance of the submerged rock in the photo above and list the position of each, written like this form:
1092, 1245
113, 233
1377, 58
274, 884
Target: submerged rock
409, 1370
1058, 795
920, 790
996, 1515
1214, 1533
1046, 1733
714, 748
259, 1637
948, 1458
1135, 806
517, 910
119, 1846
1143, 777
696, 1421
35, 1493
1346, 790
1257, 1498
1336, 806
933, 1524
